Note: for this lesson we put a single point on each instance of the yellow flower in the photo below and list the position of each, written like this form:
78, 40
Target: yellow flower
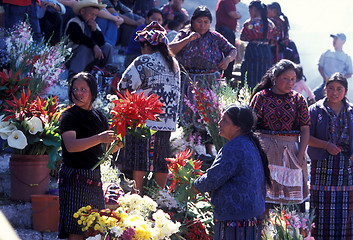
88, 208
97, 227
79, 222
76, 215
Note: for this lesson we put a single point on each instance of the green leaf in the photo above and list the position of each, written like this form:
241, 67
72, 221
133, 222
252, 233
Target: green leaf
53, 156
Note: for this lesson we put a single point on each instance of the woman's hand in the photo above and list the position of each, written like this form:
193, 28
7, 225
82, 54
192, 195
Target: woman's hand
332, 148
108, 136
117, 147
193, 36
224, 63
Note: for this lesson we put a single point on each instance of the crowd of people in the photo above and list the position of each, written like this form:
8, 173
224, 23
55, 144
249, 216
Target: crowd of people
270, 141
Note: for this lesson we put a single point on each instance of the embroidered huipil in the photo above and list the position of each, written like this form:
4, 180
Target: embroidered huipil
253, 28
280, 113
280, 34
150, 73
203, 54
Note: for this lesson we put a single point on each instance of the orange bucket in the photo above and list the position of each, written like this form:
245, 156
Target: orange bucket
45, 212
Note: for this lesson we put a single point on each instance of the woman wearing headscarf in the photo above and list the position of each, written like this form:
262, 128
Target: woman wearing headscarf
259, 32
204, 54
155, 71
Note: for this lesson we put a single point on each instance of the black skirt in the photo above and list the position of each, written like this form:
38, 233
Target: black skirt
77, 188
146, 154
257, 60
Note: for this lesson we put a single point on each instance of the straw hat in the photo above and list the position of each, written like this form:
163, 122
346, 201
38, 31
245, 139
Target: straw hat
87, 3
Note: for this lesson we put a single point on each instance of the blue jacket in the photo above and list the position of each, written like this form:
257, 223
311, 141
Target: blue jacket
319, 127
236, 181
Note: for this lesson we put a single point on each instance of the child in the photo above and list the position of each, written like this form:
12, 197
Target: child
301, 86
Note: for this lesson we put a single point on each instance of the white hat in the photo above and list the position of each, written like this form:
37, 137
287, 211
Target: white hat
87, 3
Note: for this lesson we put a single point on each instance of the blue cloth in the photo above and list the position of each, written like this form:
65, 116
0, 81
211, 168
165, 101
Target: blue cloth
134, 46
236, 181
15, 14
109, 29
319, 127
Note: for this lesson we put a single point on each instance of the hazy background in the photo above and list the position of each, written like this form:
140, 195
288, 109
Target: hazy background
311, 23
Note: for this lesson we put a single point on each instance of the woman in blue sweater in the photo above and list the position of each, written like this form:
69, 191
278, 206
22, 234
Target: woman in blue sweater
237, 178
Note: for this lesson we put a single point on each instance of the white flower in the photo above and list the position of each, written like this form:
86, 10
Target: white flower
6, 128
17, 140
6, 131
117, 231
35, 125
97, 237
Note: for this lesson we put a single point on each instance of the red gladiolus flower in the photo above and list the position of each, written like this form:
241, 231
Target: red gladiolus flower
134, 110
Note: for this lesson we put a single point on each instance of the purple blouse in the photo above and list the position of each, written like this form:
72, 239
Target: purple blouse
203, 54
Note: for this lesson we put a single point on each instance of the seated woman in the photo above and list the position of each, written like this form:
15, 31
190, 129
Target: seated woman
237, 178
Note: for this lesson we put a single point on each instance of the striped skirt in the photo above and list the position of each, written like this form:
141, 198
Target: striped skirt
77, 188
332, 197
245, 230
257, 60
146, 154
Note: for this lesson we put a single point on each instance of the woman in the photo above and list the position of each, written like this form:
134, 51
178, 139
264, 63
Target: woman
283, 126
203, 53
156, 71
274, 13
259, 32
174, 11
82, 146
330, 150
237, 178
133, 49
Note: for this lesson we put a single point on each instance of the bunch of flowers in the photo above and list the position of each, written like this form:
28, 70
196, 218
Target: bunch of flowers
131, 220
208, 107
287, 223
40, 62
184, 171
31, 126
12, 84
194, 211
130, 114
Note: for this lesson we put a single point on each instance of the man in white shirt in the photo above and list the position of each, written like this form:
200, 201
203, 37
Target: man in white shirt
334, 61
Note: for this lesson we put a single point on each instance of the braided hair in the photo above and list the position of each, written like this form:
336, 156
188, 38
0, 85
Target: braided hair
261, 7
244, 117
277, 7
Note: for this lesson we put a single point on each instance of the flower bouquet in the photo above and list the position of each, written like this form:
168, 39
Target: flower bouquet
31, 126
194, 211
40, 62
131, 220
287, 223
184, 171
129, 116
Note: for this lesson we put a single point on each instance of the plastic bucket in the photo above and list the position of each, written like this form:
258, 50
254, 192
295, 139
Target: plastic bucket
45, 212
29, 176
